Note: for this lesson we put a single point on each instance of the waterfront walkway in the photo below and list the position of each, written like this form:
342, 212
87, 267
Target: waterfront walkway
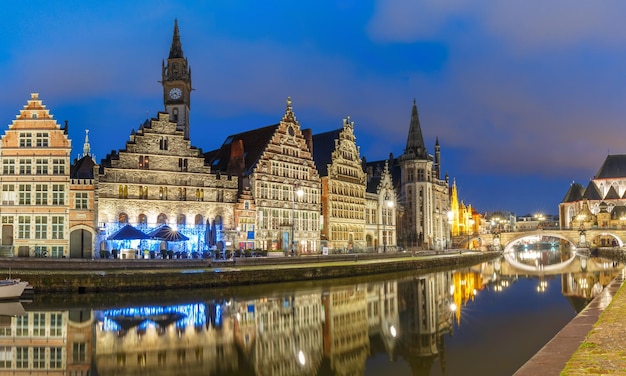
593, 343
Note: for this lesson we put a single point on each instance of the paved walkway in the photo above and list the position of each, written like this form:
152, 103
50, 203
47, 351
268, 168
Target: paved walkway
593, 343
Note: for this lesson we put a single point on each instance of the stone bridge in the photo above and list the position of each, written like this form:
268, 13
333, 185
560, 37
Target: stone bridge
506, 240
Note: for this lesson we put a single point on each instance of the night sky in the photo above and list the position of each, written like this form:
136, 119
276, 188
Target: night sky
524, 97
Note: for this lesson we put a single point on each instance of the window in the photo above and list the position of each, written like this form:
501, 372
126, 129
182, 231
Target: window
39, 324
41, 194
57, 227
8, 167
23, 227
41, 227
144, 162
39, 357
56, 325
58, 194
26, 167
21, 357
163, 143
58, 167
163, 193
25, 194
81, 200
6, 356
21, 326
123, 191
79, 352
143, 192
421, 174
56, 251
56, 357
199, 195
182, 164
41, 140
26, 140
41, 167
8, 194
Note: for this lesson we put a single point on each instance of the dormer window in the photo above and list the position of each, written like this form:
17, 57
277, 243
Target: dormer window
34, 116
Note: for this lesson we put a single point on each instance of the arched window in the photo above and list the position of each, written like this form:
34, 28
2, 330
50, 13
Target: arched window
181, 220
142, 220
198, 220
161, 219
175, 114
122, 218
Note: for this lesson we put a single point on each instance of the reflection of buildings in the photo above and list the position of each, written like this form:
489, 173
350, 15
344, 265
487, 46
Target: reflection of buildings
464, 287
346, 337
382, 315
287, 334
427, 317
163, 341
47, 342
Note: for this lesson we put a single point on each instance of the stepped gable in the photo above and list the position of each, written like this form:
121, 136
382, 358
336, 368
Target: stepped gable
614, 166
574, 193
323, 147
240, 152
612, 194
592, 193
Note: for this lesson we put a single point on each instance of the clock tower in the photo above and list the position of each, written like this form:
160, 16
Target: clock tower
176, 81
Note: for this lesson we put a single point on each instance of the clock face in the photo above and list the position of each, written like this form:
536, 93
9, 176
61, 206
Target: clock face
176, 93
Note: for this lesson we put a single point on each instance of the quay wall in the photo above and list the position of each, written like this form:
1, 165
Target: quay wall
136, 275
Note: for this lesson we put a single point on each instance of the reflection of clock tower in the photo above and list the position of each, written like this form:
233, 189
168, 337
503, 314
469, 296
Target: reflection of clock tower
176, 83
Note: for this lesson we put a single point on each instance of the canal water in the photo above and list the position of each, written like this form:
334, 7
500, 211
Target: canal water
488, 319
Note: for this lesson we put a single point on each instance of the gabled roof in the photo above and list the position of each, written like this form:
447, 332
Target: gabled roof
254, 143
614, 166
612, 194
591, 192
323, 147
575, 193
377, 168
82, 168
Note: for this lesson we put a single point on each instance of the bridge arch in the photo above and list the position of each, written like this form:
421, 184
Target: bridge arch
515, 240
595, 234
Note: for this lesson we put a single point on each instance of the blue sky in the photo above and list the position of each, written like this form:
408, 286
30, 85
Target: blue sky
524, 99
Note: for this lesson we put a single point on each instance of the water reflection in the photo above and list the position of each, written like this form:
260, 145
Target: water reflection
332, 329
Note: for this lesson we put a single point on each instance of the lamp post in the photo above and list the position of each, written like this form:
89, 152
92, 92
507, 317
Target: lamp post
296, 191
386, 215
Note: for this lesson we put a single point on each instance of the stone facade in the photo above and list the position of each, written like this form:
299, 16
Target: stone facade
35, 210
426, 197
159, 178
343, 188
286, 187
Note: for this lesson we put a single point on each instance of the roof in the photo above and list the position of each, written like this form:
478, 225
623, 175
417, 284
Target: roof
254, 143
612, 194
591, 192
82, 168
323, 147
375, 170
614, 166
575, 193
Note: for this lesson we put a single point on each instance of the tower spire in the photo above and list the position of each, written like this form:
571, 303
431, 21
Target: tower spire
176, 50
86, 146
415, 141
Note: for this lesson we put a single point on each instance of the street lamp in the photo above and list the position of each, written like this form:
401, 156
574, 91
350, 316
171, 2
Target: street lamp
297, 191
386, 217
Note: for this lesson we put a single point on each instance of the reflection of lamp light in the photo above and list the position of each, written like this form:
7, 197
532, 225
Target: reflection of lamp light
393, 332
297, 191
